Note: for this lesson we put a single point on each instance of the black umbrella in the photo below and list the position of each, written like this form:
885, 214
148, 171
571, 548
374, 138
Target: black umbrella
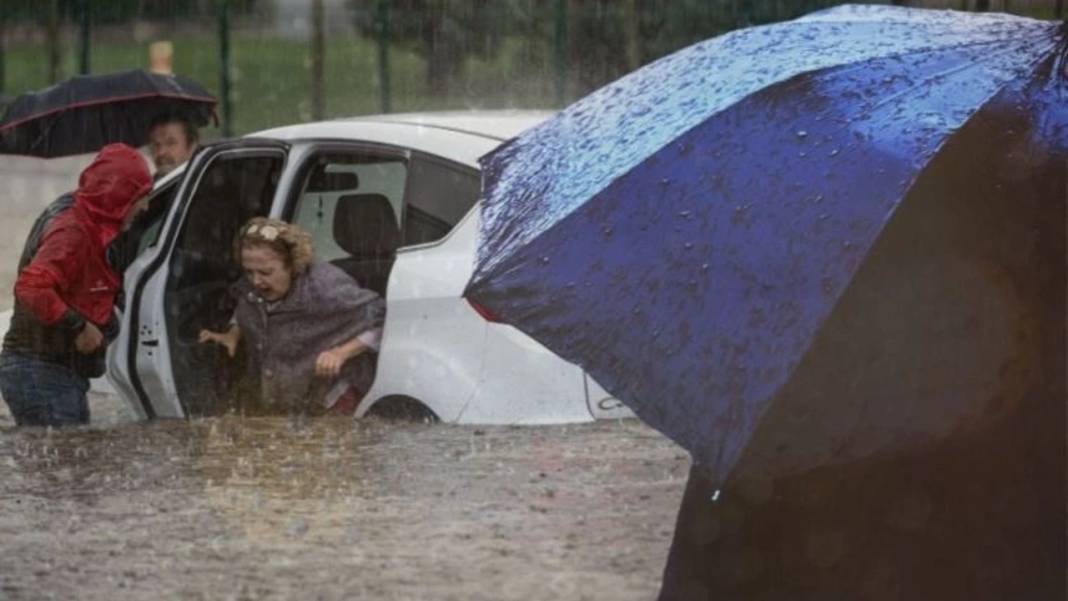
86, 112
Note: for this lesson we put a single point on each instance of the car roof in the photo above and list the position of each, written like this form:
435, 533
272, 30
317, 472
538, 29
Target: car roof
462, 136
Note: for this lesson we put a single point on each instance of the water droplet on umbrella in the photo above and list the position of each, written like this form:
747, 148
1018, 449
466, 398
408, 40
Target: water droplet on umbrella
545, 260
801, 133
833, 153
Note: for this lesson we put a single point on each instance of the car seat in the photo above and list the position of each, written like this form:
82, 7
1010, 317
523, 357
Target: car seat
365, 226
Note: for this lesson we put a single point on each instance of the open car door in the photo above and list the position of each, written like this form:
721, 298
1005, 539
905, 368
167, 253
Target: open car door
179, 281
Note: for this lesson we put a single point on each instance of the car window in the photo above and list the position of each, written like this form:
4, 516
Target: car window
146, 229
233, 188
356, 182
439, 195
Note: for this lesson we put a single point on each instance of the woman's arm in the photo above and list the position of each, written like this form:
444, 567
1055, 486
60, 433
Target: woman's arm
329, 362
228, 339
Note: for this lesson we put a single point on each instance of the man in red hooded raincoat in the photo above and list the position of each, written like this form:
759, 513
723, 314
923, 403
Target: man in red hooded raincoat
64, 297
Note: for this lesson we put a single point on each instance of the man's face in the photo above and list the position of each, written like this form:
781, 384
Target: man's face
169, 147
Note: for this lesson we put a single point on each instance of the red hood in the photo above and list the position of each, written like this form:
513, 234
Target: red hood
108, 187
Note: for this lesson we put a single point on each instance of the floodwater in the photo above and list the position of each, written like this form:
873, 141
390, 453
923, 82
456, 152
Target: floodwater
331, 508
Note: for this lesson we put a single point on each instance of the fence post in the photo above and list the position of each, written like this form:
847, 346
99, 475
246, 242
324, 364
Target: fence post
3, 74
632, 17
83, 38
52, 35
383, 28
560, 52
318, 100
224, 68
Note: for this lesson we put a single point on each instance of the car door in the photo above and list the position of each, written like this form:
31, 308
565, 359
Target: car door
178, 283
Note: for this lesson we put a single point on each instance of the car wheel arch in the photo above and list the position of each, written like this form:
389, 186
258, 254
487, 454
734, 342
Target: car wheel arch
399, 407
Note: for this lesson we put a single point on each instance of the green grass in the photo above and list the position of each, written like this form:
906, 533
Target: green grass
271, 77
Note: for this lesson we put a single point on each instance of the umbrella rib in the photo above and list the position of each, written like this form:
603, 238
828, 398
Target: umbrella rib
893, 55
951, 71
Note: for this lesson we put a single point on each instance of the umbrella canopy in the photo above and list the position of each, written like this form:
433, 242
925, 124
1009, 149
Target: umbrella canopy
797, 243
87, 112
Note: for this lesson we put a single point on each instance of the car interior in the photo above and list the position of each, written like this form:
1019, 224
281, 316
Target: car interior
231, 191
365, 226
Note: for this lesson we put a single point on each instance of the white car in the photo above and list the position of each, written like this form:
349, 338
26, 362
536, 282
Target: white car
392, 200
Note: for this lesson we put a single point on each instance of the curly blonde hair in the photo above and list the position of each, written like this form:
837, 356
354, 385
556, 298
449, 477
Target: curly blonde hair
290, 241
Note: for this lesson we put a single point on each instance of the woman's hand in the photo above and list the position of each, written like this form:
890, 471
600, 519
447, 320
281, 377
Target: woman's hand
328, 363
228, 339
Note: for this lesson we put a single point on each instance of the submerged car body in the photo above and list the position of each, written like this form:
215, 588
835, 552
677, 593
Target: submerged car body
390, 199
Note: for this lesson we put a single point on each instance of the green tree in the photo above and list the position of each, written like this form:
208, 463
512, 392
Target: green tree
445, 33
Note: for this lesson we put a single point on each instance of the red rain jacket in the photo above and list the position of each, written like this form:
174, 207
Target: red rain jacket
69, 278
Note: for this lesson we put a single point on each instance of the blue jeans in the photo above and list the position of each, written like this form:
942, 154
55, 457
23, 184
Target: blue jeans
40, 393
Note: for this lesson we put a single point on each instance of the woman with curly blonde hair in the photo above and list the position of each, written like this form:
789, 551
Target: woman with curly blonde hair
307, 327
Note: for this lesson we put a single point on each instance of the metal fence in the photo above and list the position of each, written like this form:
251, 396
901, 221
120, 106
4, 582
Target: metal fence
282, 61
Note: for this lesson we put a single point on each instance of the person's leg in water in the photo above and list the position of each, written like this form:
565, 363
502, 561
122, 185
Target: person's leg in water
40, 393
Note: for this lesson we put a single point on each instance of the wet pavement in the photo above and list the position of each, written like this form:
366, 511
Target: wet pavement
328, 508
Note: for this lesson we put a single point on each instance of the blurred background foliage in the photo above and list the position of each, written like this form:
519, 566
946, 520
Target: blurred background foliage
274, 62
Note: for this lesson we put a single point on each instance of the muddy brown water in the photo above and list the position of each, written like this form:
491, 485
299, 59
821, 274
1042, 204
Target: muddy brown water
331, 508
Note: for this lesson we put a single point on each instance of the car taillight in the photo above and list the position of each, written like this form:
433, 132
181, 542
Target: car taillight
486, 314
